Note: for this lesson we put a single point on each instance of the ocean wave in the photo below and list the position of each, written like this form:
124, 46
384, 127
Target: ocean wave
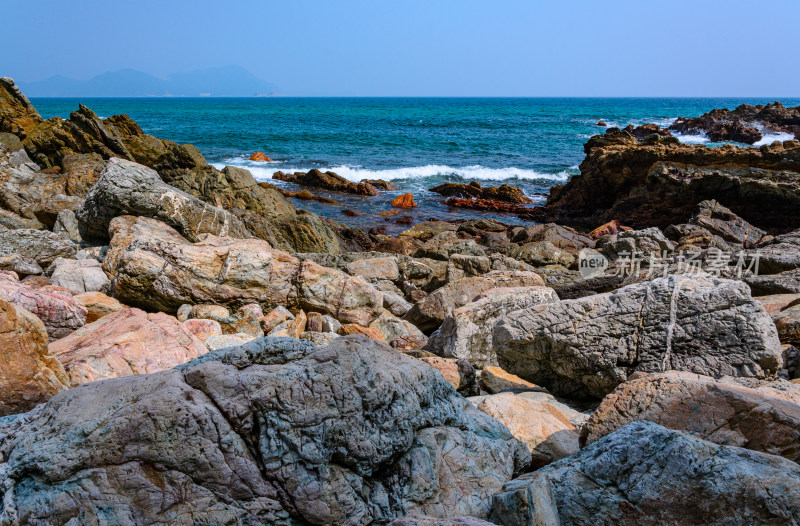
264, 171
770, 137
699, 138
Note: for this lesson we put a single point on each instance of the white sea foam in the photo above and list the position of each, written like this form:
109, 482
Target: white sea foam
769, 138
264, 171
691, 139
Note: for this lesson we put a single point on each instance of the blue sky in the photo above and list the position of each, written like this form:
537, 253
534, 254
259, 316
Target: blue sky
423, 48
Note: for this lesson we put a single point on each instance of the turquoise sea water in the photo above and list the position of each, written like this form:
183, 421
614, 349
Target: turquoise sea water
415, 142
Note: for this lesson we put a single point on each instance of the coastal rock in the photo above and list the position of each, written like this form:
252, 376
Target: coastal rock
353, 328
424, 520
67, 226
203, 329
29, 375
466, 331
277, 316
775, 303
41, 246
542, 253
741, 124
260, 156
720, 221
226, 428
21, 266
608, 229
725, 412
458, 373
404, 201
78, 275
97, 305
542, 427
127, 188
585, 347
429, 313
152, 266
426, 230
495, 380
504, 193
125, 343
780, 254
644, 185
393, 328
561, 237
788, 324
489, 205
56, 307
226, 341
17, 114
784, 283
327, 180
380, 184
646, 474
375, 268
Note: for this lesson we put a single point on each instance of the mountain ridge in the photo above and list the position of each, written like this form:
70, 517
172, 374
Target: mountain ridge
225, 81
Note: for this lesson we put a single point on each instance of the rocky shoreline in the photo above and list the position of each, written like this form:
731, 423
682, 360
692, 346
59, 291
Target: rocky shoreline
183, 345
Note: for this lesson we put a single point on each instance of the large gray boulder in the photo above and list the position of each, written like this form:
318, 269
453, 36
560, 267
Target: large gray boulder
40, 246
126, 187
646, 474
153, 267
586, 347
466, 332
429, 313
276, 431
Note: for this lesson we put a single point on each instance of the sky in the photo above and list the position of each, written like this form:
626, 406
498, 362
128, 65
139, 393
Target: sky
423, 47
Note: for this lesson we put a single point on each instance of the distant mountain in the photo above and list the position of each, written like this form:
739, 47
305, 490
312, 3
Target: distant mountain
227, 81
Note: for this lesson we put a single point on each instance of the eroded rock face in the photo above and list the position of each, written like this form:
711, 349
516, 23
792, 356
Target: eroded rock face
327, 180
29, 374
466, 332
17, 114
654, 184
153, 266
41, 246
275, 431
429, 313
761, 418
586, 347
60, 313
125, 343
126, 187
505, 193
646, 474
541, 426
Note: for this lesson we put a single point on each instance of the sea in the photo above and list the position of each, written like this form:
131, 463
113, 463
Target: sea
416, 143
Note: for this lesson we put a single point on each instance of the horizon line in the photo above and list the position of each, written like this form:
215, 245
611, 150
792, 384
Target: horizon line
201, 97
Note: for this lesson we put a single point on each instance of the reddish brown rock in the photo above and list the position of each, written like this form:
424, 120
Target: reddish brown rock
505, 193
352, 213
744, 413
203, 329
775, 303
97, 305
608, 229
260, 156
353, 328
487, 204
404, 201
495, 380
29, 374
55, 306
327, 180
125, 343
387, 213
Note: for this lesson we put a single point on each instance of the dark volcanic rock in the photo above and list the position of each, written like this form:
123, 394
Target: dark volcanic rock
505, 193
271, 432
740, 124
327, 180
645, 130
646, 474
487, 204
643, 185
